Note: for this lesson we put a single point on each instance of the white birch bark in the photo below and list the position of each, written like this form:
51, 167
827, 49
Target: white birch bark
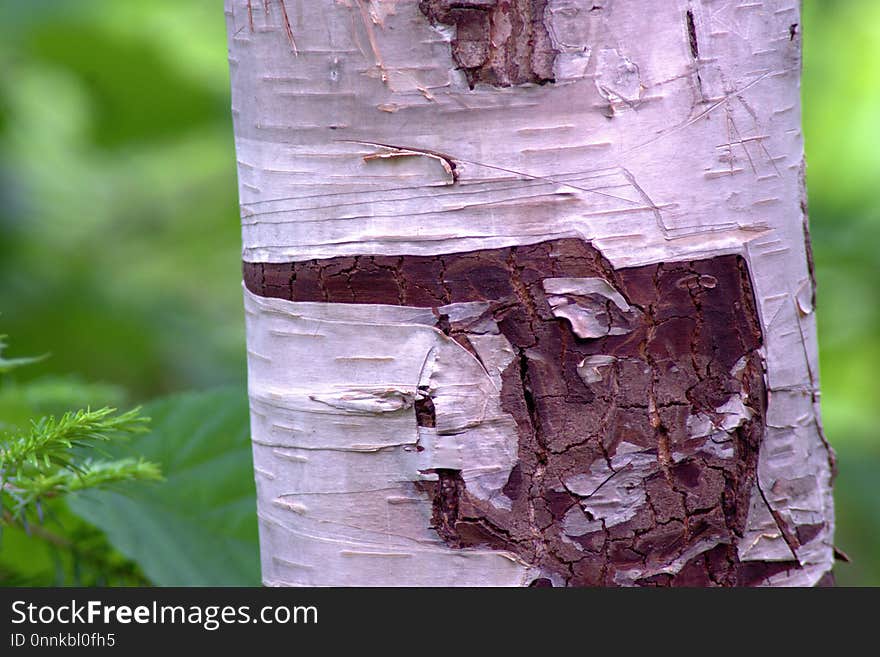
355, 134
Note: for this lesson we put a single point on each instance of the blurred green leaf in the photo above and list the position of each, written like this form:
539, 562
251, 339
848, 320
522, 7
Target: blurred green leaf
52, 395
9, 364
65, 551
131, 101
198, 528
26, 560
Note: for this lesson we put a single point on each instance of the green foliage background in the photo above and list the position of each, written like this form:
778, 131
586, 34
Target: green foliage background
119, 254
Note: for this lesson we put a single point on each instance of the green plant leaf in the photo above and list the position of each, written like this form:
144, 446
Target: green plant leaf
199, 526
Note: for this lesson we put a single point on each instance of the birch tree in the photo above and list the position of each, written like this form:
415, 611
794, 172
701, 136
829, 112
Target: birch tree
529, 293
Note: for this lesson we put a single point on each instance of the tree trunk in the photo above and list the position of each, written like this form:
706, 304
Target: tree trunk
529, 297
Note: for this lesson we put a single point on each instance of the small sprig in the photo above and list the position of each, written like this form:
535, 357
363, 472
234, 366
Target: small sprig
48, 462
50, 442
89, 474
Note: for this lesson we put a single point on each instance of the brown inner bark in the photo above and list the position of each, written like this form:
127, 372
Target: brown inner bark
499, 42
690, 324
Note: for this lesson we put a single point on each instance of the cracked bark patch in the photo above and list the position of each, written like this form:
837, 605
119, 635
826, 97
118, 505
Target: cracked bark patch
615, 482
499, 42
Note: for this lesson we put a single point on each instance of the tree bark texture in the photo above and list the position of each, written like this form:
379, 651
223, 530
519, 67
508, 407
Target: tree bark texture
528, 293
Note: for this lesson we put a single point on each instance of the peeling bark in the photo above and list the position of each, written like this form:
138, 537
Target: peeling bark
529, 293
621, 477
